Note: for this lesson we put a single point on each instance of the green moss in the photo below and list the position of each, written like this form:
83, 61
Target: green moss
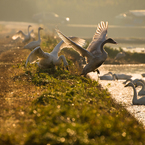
70, 109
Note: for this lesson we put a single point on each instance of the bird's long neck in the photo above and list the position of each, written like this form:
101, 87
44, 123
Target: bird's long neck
57, 48
142, 89
104, 53
28, 30
102, 45
115, 77
128, 80
135, 94
39, 34
142, 83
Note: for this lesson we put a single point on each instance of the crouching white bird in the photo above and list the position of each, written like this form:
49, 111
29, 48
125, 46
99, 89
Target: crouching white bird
108, 76
34, 44
95, 53
25, 37
46, 60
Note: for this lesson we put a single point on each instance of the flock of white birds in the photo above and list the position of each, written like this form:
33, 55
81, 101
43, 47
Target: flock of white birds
129, 82
95, 55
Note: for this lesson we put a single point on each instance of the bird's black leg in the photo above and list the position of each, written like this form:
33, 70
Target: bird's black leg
98, 71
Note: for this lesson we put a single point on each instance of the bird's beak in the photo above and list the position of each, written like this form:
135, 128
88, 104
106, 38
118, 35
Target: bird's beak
67, 68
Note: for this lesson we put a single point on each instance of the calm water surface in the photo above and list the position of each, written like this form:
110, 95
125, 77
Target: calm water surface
134, 69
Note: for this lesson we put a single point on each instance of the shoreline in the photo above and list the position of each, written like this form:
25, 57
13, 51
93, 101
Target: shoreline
123, 96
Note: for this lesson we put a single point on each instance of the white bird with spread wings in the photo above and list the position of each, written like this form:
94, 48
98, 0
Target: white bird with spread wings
95, 53
46, 60
25, 37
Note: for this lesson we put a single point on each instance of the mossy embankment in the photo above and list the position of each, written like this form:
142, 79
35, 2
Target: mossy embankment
56, 106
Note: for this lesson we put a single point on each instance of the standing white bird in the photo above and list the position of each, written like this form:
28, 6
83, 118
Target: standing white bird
95, 53
46, 60
25, 37
34, 44
136, 101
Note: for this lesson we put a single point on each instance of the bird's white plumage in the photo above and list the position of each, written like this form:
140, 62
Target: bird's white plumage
142, 91
101, 32
120, 55
34, 44
123, 76
77, 40
19, 34
135, 101
35, 54
108, 76
95, 53
25, 37
83, 52
130, 80
99, 37
47, 59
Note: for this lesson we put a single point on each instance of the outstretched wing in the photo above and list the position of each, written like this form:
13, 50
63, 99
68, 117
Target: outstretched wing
99, 37
18, 34
62, 44
83, 52
35, 54
77, 40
